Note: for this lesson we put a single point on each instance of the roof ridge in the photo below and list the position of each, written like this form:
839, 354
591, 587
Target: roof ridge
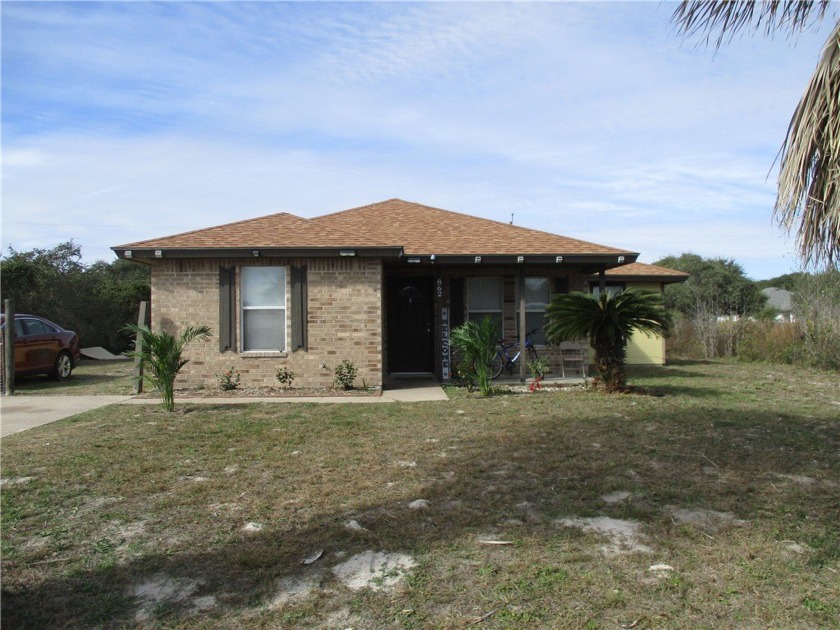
325, 226
213, 227
471, 218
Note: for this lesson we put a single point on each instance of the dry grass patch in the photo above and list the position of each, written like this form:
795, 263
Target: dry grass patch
204, 518
89, 378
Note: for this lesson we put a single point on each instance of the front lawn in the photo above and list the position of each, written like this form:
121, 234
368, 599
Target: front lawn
709, 502
89, 378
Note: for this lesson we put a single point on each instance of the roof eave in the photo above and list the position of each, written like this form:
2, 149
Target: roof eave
132, 253
585, 263
615, 277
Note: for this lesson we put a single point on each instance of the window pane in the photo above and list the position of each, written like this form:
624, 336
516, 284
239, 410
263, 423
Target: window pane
263, 286
37, 327
537, 293
612, 290
532, 321
264, 329
484, 294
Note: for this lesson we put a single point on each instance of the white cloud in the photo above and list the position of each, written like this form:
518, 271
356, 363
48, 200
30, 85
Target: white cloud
590, 120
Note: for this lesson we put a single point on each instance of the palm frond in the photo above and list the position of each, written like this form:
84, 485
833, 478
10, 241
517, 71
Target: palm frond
808, 199
726, 18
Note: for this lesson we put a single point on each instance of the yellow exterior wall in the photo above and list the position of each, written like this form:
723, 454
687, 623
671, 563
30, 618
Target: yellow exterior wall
641, 349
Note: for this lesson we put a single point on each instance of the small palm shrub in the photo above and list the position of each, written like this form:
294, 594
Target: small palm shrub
160, 357
476, 343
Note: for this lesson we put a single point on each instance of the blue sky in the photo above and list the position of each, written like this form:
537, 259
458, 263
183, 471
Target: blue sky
128, 120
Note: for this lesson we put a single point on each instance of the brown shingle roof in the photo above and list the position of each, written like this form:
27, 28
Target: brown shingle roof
424, 230
418, 229
273, 231
648, 271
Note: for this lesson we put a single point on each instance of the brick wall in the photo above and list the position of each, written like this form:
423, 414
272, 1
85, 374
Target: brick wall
344, 320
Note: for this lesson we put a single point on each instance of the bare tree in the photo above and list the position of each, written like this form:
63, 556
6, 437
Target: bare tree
808, 195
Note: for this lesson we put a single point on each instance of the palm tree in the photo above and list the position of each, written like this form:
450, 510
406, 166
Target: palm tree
808, 195
160, 356
476, 341
607, 321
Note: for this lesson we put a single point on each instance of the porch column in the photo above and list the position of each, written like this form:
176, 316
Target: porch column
602, 280
523, 356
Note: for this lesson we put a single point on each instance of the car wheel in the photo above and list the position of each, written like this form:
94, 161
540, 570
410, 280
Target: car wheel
63, 366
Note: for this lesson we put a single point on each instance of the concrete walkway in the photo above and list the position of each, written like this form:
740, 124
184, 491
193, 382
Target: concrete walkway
415, 393
21, 412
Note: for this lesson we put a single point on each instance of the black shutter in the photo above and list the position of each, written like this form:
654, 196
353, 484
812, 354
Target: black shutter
227, 306
561, 285
299, 310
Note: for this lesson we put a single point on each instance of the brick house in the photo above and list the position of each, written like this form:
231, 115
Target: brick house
380, 285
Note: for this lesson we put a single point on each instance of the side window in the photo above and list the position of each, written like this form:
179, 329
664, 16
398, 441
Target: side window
19, 331
37, 327
537, 297
484, 298
612, 288
263, 308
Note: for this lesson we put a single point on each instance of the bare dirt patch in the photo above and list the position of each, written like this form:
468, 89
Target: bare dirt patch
624, 536
161, 589
707, 520
376, 570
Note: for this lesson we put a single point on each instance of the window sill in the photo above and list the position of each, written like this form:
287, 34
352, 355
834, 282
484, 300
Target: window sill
263, 354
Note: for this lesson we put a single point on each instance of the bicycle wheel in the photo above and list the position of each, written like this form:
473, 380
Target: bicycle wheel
532, 357
497, 364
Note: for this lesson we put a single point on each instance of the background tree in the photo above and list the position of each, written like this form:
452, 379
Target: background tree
710, 303
96, 301
787, 281
718, 285
808, 195
607, 321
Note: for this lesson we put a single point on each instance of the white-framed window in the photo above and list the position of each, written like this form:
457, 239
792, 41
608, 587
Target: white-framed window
484, 298
537, 298
263, 298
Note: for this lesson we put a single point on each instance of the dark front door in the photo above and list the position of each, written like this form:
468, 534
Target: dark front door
410, 334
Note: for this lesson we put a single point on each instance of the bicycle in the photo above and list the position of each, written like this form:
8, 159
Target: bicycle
503, 361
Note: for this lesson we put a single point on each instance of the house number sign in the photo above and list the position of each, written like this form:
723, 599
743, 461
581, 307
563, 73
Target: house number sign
444, 344
439, 287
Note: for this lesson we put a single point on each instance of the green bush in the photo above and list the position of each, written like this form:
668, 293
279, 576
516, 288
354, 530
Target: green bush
285, 376
345, 374
228, 380
773, 342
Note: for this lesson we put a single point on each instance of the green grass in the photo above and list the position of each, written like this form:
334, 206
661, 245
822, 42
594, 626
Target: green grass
124, 495
88, 378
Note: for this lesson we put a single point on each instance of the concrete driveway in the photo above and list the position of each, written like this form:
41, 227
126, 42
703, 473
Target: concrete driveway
18, 413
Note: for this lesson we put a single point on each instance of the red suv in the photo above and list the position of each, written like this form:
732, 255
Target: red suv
43, 347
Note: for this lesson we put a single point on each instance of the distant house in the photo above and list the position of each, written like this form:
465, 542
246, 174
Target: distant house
381, 285
782, 301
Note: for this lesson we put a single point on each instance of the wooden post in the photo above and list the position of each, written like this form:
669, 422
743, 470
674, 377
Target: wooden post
523, 352
9, 349
602, 280
138, 364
